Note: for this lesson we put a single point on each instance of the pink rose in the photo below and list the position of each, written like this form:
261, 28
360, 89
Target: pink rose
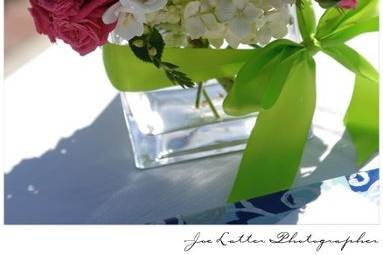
348, 4
43, 22
61, 8
76, 22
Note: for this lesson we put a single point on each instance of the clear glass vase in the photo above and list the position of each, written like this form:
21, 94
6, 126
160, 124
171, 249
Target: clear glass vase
166, 127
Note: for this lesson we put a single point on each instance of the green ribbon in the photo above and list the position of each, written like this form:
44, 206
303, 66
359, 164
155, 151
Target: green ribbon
273, 153
278, 81
127, 73
362, 117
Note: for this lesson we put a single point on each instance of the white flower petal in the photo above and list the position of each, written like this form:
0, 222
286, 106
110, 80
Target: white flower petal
210, 21
205, 6
252, 13
191, 9
240, 27
278, 29
240, 4
129, 26
225, 10
232, 39
145, 6
216, 42
194, 27
111, 14
263, 35
217, 33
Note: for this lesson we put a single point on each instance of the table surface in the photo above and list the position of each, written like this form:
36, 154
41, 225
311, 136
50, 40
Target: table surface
68, 158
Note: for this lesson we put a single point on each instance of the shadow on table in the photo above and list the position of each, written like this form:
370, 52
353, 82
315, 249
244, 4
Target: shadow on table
69, 182
90, 178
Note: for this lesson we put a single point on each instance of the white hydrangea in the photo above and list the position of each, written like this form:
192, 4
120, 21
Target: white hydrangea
130, 16
233, 21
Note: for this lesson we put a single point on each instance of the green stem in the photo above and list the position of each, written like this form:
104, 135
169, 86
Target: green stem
211, 105
199, 94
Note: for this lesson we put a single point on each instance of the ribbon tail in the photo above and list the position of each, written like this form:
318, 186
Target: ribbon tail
362, 118
274, 150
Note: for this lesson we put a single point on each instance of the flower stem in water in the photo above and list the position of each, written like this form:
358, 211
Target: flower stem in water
201, 91
199, 95
211, 105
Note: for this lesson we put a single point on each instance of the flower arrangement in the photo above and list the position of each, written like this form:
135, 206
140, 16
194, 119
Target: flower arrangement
235, 22
162, 42
86, 24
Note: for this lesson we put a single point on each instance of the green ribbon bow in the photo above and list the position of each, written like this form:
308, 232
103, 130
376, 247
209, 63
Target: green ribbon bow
278, 81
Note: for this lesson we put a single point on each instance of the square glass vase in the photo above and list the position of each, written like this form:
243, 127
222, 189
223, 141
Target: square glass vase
166, 127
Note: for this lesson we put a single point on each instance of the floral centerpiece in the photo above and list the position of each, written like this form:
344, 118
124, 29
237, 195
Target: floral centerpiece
155, 44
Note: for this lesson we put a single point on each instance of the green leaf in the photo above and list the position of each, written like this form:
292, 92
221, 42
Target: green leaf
149, 48
362, 117
339, 26
178, 78
259, 82
306, 19
151, 40
127, 73
274, 150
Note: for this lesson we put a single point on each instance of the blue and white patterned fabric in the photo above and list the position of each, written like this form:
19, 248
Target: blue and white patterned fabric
273, 208
366, 184
363, 181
